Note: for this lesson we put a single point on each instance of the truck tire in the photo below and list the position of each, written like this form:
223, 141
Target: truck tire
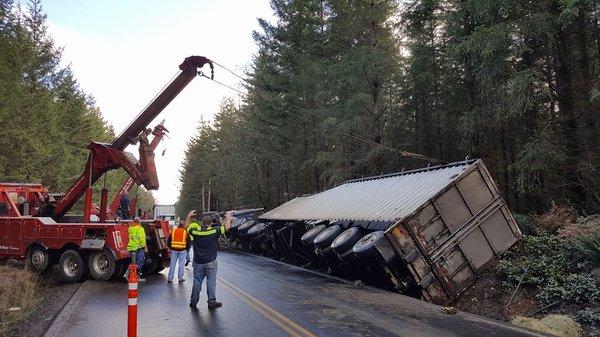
160, 266
257, 229
346, 240
72, 268
102, 265
244, 227
236, 223
365, 247
119, 270
326, 237
152, 265
312, 233
38, 259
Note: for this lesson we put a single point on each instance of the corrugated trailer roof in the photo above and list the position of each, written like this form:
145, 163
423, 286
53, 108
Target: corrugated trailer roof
383, 198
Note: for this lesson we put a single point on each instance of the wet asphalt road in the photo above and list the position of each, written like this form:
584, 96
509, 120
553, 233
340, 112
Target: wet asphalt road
262, 297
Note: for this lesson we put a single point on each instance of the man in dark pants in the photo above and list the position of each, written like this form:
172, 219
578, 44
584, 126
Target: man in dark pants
205, 241
124, 205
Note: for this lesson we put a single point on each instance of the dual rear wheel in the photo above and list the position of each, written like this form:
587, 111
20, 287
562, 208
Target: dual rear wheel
103, 266
72, 266
75, 267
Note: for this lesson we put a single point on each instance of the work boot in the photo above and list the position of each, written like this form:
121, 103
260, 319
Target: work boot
214, 305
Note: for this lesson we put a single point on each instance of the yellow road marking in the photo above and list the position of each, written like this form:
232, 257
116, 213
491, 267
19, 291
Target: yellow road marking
268, 316
283, 322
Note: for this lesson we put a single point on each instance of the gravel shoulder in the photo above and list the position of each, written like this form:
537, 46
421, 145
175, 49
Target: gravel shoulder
54, 295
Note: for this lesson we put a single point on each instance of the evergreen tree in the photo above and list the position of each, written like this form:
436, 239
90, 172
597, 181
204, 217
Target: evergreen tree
338, 87
46, 120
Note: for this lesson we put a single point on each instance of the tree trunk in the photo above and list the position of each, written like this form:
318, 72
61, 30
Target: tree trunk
566, 105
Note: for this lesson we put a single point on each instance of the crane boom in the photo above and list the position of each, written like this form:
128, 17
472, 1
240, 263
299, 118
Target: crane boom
129, 183
188, 72
105, 157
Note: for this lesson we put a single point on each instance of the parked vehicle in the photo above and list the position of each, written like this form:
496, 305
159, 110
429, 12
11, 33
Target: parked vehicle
165, 212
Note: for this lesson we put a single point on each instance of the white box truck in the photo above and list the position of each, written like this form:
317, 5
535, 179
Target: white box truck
166, 212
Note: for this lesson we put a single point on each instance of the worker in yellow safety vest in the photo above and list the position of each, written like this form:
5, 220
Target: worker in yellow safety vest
136, 245
179, 241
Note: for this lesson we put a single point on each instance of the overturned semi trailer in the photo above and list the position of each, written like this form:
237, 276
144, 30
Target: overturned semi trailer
429, 232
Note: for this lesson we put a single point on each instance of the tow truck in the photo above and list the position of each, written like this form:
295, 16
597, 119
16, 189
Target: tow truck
35, 227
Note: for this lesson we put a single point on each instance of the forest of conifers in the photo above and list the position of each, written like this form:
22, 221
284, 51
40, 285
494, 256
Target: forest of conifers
46, 120
339, 88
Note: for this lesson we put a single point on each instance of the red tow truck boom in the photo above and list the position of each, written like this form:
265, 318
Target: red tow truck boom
34, 227
105, 157
126, 187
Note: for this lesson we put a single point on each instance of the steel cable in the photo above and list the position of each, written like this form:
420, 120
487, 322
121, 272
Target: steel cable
347, 133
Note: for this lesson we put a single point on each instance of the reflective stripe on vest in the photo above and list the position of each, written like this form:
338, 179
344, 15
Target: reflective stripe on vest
179, 238
200, 232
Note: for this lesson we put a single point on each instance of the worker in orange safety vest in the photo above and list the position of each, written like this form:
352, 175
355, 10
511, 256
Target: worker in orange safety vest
179, 241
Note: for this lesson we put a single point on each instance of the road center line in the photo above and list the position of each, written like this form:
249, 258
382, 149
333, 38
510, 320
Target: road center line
291, 327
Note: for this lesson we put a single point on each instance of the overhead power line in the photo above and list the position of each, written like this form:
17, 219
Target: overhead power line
346, 133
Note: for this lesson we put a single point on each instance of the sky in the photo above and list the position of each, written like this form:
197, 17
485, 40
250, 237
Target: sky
123, 52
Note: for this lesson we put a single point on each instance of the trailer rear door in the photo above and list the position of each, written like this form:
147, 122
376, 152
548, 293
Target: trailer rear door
452, 237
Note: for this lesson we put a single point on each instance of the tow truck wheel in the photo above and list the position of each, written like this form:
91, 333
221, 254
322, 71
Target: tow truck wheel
38, 259
152, 265
71, 266
160, 266
102, 265
119, 270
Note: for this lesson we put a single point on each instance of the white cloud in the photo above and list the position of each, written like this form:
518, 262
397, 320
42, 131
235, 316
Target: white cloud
124, 72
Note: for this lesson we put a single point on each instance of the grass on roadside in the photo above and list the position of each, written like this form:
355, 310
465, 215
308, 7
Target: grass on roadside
557, 325
19, 292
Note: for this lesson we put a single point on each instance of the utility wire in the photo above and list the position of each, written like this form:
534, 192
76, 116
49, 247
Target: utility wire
347, 133
296, 115
230, 71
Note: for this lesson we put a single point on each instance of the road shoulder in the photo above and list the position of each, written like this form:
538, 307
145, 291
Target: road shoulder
69, 307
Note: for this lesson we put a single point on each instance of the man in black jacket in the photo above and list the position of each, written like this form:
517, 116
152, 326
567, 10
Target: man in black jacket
205, 243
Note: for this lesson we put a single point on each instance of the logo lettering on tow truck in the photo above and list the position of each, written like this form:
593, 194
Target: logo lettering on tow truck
117, 237
9, 248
